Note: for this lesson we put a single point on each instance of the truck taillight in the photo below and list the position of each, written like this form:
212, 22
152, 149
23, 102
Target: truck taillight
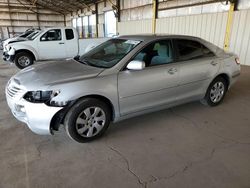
237, 60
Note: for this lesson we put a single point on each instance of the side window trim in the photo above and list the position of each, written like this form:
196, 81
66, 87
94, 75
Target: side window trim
149, 43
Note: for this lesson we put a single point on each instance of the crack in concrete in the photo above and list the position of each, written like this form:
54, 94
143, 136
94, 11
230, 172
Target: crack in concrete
215, 134
184, 169
154, 179
128, 165
40, 145
188, 165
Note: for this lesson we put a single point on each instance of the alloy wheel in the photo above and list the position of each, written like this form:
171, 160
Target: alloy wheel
90, 122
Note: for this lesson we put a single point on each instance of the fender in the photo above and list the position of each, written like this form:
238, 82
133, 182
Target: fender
15, 47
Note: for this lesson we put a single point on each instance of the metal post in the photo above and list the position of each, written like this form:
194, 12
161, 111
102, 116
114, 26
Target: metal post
154, 16
37, 16
96, 19
64, 20
229, 27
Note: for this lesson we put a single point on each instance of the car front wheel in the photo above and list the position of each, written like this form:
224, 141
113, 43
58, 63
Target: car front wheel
23, 60
87, 120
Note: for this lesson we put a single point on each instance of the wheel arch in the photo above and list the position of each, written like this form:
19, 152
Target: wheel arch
58, 118
27, 51
103, 99
225, 77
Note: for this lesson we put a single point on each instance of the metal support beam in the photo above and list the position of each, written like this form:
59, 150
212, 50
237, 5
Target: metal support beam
155, 12
114, 7
190, 5
37, 16
87, 6
229, 27
96, 19
64, 20
8, 2
118, 5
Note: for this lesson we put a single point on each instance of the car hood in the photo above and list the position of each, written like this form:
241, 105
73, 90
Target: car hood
52, 73
16, 39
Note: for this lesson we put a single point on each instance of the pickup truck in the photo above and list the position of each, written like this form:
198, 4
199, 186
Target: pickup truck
26, 34
48, 44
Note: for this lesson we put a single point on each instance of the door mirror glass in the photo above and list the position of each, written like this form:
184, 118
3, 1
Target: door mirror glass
136, 65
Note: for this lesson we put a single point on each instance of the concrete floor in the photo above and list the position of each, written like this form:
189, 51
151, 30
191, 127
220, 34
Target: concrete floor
187, 146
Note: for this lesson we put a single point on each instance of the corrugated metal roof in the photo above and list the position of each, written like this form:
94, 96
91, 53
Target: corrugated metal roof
62, 6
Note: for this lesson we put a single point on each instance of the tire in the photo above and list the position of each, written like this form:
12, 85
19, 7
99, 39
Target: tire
215, 92
23, 60
81, 123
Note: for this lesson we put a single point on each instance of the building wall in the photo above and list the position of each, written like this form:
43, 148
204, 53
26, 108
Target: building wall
102, 8
207, 21
211, 27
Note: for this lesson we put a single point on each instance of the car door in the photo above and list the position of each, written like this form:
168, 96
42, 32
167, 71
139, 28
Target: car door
71, 43
51, 45
153, 86
197, 66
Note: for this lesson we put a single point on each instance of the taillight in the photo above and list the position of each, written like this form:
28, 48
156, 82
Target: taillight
237, 60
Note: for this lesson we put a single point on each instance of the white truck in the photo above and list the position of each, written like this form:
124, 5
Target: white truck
48, 44
22, 36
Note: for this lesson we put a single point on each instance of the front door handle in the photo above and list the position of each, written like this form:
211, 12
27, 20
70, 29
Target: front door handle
61, 42
172, 70
214, 63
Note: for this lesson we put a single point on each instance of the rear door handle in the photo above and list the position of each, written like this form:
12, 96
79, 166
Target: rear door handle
214, 63
61, 42
172, 70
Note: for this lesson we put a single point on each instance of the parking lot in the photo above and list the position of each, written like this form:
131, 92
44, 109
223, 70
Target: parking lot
186, 146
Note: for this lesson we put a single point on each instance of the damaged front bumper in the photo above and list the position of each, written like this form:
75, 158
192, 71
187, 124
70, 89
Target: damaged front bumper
9, 55
37, 116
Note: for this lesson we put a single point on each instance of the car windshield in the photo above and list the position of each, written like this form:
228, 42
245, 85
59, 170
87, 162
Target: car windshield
109, 53
33, 35
25, 34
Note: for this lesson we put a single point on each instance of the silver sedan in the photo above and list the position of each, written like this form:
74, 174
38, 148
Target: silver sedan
123, 77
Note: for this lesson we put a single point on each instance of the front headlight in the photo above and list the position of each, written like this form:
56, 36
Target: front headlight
40, 96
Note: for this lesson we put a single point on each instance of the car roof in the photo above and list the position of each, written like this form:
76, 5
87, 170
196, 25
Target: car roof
151, 37
146, 37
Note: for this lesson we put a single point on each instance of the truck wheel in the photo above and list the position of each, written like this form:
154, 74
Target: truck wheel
23, 60
87, 120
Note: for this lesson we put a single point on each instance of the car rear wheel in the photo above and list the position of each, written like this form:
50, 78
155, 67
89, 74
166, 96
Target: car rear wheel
87, 120
23, 60
215, 92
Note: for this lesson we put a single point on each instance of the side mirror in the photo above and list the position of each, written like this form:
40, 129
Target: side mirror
76, 57
136, 65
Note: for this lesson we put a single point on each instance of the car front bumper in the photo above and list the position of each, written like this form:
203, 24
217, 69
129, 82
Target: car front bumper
37, 116
7, 57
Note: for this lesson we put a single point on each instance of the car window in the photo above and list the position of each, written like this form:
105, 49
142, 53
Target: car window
207, 52
157, 53
69, 34
33, 35
188, 50
52, 35
109, 53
